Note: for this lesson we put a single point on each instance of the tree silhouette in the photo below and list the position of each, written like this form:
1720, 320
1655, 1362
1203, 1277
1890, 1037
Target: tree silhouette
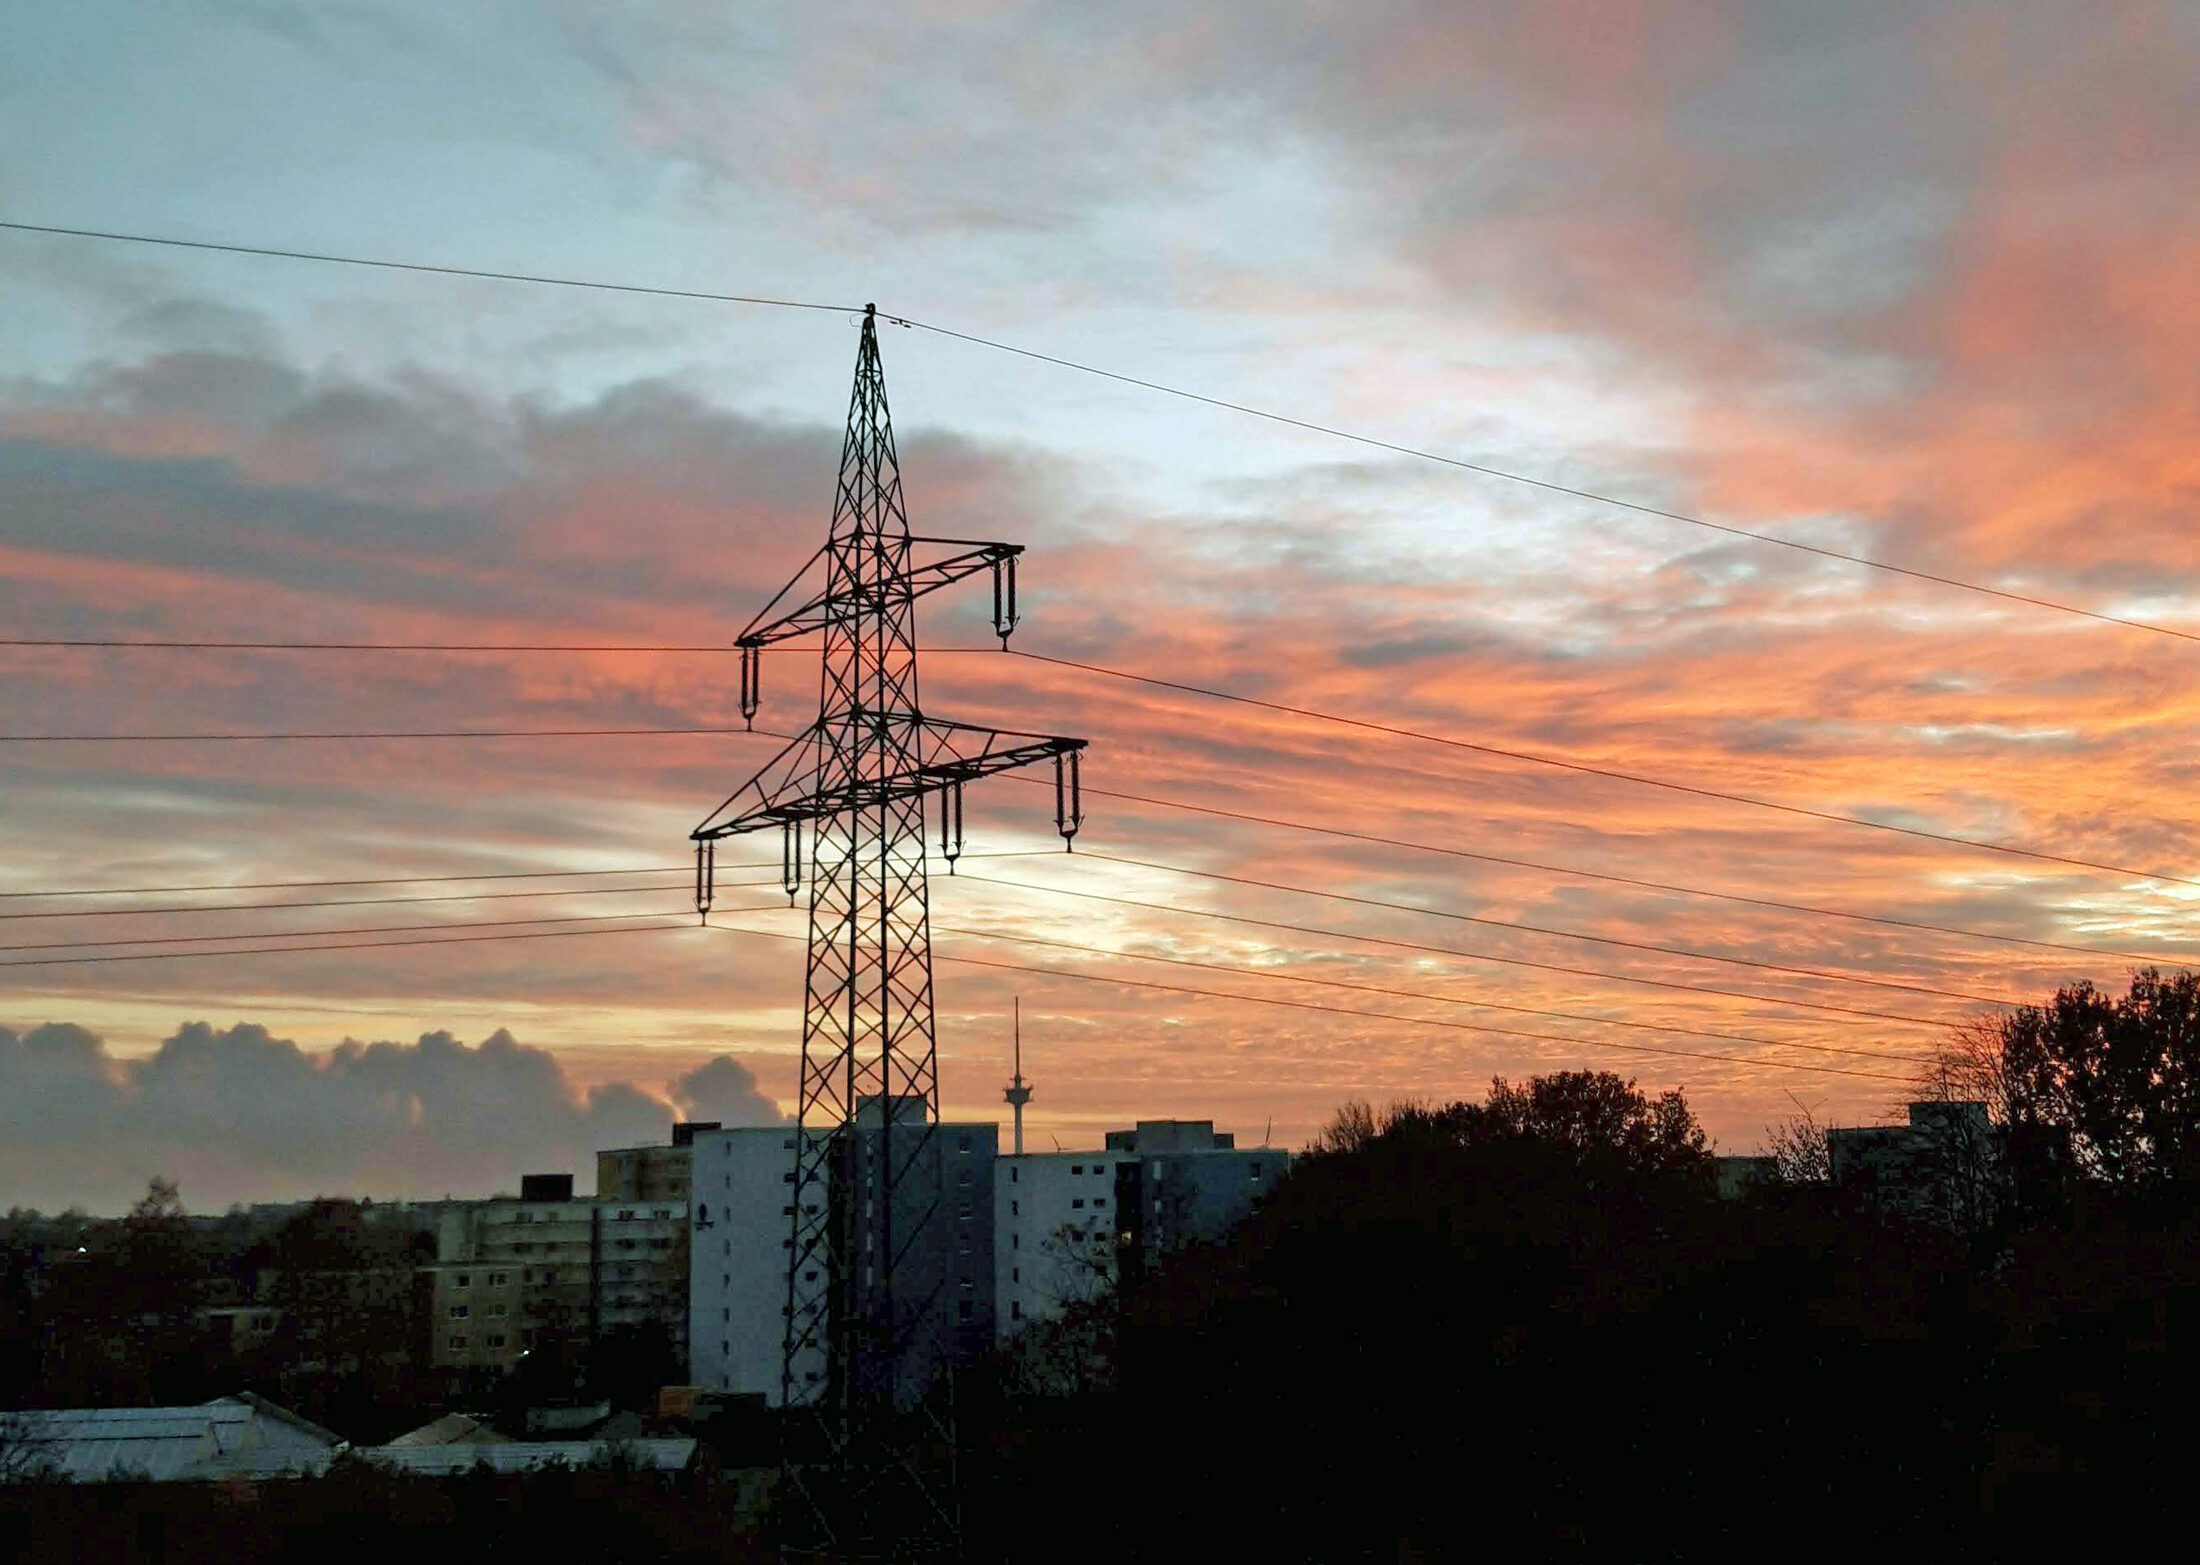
2095, 1087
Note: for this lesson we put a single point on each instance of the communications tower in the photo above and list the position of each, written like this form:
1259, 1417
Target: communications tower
868, 1295
1019, 1090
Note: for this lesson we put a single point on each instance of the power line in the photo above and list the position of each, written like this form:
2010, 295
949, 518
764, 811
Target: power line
419, 266
1622, 880
1583, 768
1533, 929
1606, 876
463, 896
1385, 1016
1418, 994
388, 880
383, 646
311, 934
1135, 983
1507, 961
1550, 487
1610, 773
439, 733
354, 945
1374, 442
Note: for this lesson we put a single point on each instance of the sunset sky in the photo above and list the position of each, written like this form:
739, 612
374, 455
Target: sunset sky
1913, 282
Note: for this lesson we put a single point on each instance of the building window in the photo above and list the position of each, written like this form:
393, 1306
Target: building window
1078, 1204
787, 1178
1015, 1241
499, 1309
962, 1309
496, 1342
458, 1312
786, 1211
1099, 1201
549, 1277
1013, 1172
463, 1280
1015, 1209
660, 1212
499, 1279
626, 1216
1254, 1173
962, 1142
1077, 1168
786, 1146
459, 1343
1015, 1310
1016, 1274
725, 1316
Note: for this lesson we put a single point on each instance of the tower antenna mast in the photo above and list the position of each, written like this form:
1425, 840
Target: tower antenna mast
870, 1315
1019, 1090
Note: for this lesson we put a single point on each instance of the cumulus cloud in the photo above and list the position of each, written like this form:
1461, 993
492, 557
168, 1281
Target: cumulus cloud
239, 1114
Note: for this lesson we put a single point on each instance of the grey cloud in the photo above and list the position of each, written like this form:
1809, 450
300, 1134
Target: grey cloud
239, 1114
724, 1090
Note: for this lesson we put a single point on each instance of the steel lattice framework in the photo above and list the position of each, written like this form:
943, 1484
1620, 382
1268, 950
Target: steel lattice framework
867, 1291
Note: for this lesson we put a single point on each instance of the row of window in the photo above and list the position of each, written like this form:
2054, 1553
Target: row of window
458, 1344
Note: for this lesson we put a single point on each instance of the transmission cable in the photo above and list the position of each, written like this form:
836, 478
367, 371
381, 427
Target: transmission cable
1547, 485
1610, 773
421, 266
1508, 961
1508, 924
1416, 452
1385, 1016
366, 929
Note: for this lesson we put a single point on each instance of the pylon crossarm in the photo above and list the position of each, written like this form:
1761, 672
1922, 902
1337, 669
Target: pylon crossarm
828, 608
954, 753
766, 616
791, 769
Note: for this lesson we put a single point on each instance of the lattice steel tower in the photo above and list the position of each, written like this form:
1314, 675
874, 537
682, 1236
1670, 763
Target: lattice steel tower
870, 1291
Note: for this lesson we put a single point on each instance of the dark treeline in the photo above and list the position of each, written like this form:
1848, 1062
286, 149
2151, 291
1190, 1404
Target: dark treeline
1533, 1324
1526, 1325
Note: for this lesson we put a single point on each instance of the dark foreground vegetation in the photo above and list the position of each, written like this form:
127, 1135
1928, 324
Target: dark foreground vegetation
1527, 1326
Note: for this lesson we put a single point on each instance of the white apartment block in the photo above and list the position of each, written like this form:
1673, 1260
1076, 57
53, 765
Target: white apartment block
1056, 1234
1070, 1224
741, 1190
743, 1210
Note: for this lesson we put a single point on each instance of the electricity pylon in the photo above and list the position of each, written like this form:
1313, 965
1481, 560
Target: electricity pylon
869, 1289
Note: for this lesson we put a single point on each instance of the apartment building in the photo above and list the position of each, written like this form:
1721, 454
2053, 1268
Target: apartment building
544, 1269
652, 1173
1069, 1225
743, 1213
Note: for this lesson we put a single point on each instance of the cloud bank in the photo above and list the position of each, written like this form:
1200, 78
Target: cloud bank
237, 1114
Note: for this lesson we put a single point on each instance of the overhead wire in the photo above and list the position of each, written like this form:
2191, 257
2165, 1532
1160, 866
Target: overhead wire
1744, 1061
1780, 968
1505, 961
329, 258
1611, 773
460, 896
1549, 486
1399, 448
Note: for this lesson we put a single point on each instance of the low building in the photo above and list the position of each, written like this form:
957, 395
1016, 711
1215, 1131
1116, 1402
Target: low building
241, 1436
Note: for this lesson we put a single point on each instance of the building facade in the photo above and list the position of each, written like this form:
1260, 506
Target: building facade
743, 1212
512, 1276
1069, 1225
651, 1174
